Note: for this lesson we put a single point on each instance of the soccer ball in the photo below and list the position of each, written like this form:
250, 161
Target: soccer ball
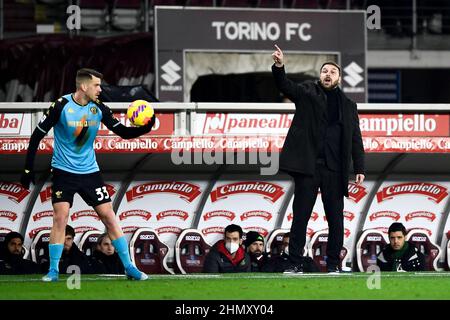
140, 112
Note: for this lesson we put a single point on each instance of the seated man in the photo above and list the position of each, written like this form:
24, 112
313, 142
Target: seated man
254, 244
105, 260
71, 255
228, 255
400, 255
280, 262
12, 260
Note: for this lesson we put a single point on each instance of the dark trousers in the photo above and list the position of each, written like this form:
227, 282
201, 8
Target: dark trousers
306, 189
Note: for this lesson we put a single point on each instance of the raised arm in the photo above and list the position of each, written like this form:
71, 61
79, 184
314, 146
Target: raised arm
288, 87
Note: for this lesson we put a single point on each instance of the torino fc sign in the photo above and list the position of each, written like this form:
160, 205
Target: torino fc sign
183, 29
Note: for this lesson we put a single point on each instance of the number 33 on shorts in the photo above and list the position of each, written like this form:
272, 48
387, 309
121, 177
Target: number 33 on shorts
102, 193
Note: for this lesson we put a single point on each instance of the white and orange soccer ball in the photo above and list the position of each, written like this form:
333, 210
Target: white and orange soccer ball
140, 112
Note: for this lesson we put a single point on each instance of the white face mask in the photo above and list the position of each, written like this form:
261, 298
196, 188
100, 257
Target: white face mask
232, 247
286, 250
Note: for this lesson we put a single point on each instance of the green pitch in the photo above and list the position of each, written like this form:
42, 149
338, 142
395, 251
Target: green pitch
251, 286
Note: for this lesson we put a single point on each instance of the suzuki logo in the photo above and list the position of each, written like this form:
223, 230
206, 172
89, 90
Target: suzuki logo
353, 71
170, 68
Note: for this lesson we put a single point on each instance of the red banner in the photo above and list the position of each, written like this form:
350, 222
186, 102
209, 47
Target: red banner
114, 144
434, 192
219, 213
14, 191
186, 191
164, 124
269, 191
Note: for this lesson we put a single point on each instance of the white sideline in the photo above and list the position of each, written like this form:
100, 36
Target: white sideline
262, 276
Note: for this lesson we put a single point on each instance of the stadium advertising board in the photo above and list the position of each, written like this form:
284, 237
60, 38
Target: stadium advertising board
411, 133
13, 198
15, 124
372, 125
164, 124
257, 30
166, 206
417, 204
253, 204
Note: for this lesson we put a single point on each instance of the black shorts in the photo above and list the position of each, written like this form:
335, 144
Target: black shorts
89, 186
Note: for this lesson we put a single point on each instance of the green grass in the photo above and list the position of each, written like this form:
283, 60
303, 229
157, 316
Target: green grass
251, 286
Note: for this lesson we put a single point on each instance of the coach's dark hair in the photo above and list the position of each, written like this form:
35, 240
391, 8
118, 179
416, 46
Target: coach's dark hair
85, 74
70, 231
397, 226
233, 228
333, 64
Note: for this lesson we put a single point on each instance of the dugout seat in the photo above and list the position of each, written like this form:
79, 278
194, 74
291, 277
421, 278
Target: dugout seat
88, 242
39, 247
428, 248
126, 14
369, 245
2, 242
148, 253
448, 254
317, 250
94, 14
25, 252
274, 244
190, 251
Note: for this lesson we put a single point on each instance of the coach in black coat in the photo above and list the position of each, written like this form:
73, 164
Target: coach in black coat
323, 138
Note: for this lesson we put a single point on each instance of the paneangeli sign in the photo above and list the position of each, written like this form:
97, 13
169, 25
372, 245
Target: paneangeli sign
181, 29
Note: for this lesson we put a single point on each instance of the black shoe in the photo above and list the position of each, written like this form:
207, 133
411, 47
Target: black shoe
333, 270
294, 269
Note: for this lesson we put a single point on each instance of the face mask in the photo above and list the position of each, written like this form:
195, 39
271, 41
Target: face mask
286, 250
232, 247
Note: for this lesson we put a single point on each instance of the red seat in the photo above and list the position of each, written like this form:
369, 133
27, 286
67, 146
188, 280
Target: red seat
148, 252
369, 245
427, 247
190, 251
317, 250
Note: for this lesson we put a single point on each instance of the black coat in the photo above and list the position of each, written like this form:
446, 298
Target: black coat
72, 257
300, 149
411, 260
277, 263
103, 264
16, 264
217, 262
258, 264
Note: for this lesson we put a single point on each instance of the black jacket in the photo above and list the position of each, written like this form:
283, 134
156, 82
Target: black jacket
300, 149
73, 257
103, 264
258, 263
282, 262
16, 264
277, 263
411, 260
218, 260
